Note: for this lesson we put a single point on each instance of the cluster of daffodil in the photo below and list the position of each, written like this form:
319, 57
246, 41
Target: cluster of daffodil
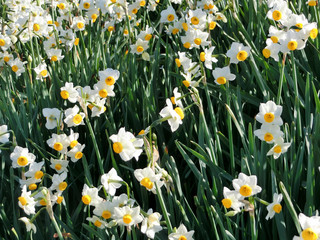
291, 32
269, 116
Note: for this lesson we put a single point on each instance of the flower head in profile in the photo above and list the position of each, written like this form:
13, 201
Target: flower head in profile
29, 225
275, 206
246, 185
174, 115
111, 181
4, 135
238, 52
41, 71
148, 178
151, 224
232, 199
97, 222
181, 233
279, 147
90, 196
26, 202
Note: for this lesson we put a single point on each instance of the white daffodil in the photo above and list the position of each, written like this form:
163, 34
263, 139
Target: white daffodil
111, 181
310, 226
275, 34
21, 157
26, 202
275, 206
59, 165
98, 107
197, 18
175, 115
279, 147
146, 34
76, 152
151, 224
35, 170
97, 222
74, 117
269, 113
103, 90
232, 199
29, 225
168, 15
109, 76
271, 50
122, 200
176, 99
31, 183
279, 11
207, 58
222, 75
292, 42
5, 42
246, 185
90, 196
17, 66
148, 178
268, 133
59, 142
69, 92
139, 47
104, 209
43, 196
126, 145
78, 23
4, 136
53, 117
127, 216
86, 4
73, 139
187, 82
41, 71
58, 182
238, 52
181, 233
55, 54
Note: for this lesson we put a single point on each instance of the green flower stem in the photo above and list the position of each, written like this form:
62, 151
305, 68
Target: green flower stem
37, 214
123, 183
281, 78
95, 145
164, 210
261, 201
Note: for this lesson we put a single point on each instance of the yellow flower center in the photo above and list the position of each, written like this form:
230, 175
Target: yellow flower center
73, 143
64, 94
268, 137
117, 147
110, 28
109, 81
86, 199
140, 49
195, 20
202, 56
276, 15
277, 149
170, 17
77, 119
292, 45
242, 55
179, 111
134, 11
182, 238
43, 202
58, 166
94, 17
226, 202
38, 174
127, 219
173, 100
212, 25
309, 234
97, 223
274, 39
148, 37
142, 3
80, 25
15, 68
86, 5
125, 32
314, 33
2, 42
78, 155
177, 60
62, 186
44, 73
197, 41
146, 183
36, 27
266, 53
269, 117
22, 200
106, 214
300, 26
245, 190
58, 146
277, 208
141, 132
6, 59
76, 42
54, 58
221, 80
103, 93
61, 6
185, 26
312, 3
175, 31
32, 186
22, 161
187, 45
186, 83
59, 199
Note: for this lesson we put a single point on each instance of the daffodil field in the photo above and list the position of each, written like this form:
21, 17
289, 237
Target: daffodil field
159, 119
